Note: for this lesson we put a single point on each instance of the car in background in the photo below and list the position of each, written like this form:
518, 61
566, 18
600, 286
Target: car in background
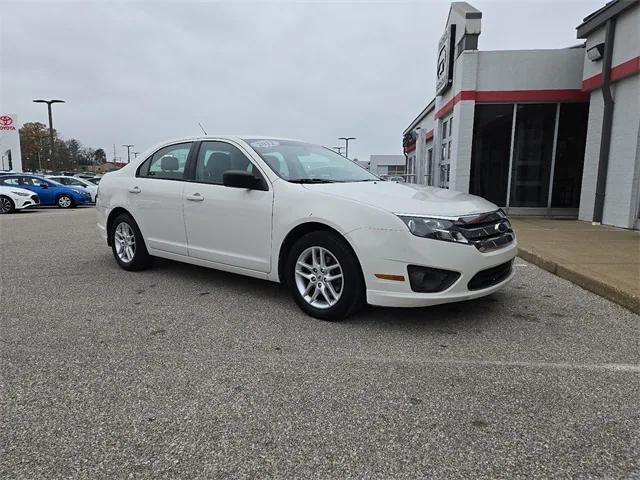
95, 180
50, 192
92, 188
14, 198
301, 214
84, 175
393, 178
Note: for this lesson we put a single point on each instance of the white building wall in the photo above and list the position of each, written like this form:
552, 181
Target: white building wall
591, 152
622, 195
627, 41
530, 69
463, 114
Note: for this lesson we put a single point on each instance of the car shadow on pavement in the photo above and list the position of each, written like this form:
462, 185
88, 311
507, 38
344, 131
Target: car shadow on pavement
442, 318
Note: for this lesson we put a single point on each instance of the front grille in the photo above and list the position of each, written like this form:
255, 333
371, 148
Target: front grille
486, 231
490, 276
35, 199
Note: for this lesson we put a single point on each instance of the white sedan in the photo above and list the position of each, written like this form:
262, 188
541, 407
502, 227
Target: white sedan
300, 214
90, 187
14, 198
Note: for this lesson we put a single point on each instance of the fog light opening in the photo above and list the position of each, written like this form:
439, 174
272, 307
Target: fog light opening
430, 280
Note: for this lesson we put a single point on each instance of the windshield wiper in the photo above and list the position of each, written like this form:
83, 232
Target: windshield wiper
311, 180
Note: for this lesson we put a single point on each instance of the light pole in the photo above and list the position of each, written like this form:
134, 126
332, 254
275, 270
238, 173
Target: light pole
51, 145
135, 155
346, 144
338, 149
128, 152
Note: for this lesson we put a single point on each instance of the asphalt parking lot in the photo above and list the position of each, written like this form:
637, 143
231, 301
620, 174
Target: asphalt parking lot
184, 372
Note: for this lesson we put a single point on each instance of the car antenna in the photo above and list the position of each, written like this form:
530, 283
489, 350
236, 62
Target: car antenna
202, 128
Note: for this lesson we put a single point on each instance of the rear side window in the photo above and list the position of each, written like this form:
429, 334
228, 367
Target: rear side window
167, 163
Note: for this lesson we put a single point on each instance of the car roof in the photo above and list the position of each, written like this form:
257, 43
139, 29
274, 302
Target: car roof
231, 137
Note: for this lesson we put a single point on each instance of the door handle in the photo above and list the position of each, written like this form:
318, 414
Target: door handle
196, 197
135, 190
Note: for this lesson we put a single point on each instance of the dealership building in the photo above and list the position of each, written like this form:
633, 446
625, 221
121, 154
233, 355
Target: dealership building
10, 158
539, 132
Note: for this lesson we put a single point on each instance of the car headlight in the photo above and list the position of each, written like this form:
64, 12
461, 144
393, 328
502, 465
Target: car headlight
21, 194
434, 228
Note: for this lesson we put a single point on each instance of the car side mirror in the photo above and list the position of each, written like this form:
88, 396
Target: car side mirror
242, 179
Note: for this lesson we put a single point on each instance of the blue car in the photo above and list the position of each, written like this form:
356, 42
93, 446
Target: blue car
50, 192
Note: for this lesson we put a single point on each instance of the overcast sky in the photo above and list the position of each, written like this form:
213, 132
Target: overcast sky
145, 72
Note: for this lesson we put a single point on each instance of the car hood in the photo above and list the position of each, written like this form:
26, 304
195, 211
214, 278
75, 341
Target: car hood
7, 190
407, 198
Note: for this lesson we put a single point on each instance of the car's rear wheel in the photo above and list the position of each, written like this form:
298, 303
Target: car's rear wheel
65, 201
324, 276
127, 244
6, 204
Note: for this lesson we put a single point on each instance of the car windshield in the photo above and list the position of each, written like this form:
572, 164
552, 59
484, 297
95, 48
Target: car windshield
306, 163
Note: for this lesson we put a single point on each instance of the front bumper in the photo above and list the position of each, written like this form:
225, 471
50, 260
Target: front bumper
83, 199
390, 252
22, 203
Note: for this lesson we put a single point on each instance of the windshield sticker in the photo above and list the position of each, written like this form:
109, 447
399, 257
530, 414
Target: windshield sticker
265, 144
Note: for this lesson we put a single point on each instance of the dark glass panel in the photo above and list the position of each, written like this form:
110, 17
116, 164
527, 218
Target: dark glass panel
490, 152
572, 137
532, 153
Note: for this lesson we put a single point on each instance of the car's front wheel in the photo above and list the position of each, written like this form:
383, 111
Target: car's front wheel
65, 201
6, 204
127, 244
324, 276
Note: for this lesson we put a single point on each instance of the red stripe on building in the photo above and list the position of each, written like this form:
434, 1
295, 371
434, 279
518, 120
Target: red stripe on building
428, 136
507, 96
410, 148
618, 72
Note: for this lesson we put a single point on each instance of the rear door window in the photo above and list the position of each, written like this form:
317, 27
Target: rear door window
167, 163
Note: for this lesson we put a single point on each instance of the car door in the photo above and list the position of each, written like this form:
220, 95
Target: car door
32, 184
227, 225
45, 190
155, 197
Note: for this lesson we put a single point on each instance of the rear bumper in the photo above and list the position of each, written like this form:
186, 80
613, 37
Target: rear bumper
390, 252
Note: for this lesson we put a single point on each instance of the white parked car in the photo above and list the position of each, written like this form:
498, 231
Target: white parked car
300, 214
14, 198
92, 188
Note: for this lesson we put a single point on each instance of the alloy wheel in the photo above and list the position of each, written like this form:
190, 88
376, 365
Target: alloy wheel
125, 242
319, 278
64, 201
5, 205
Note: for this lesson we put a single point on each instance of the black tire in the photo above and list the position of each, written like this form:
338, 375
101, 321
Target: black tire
6, 204
141, 258
65, 201
352, 296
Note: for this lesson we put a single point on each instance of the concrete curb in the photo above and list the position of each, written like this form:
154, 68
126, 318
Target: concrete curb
606, 290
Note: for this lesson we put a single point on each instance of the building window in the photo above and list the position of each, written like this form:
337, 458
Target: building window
490, 152
570, 146
445, 152
395, 170
429, 175
532, 153
411, 168
531, 180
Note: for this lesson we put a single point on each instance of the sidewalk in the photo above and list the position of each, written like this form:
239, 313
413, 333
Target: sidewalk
604, 260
